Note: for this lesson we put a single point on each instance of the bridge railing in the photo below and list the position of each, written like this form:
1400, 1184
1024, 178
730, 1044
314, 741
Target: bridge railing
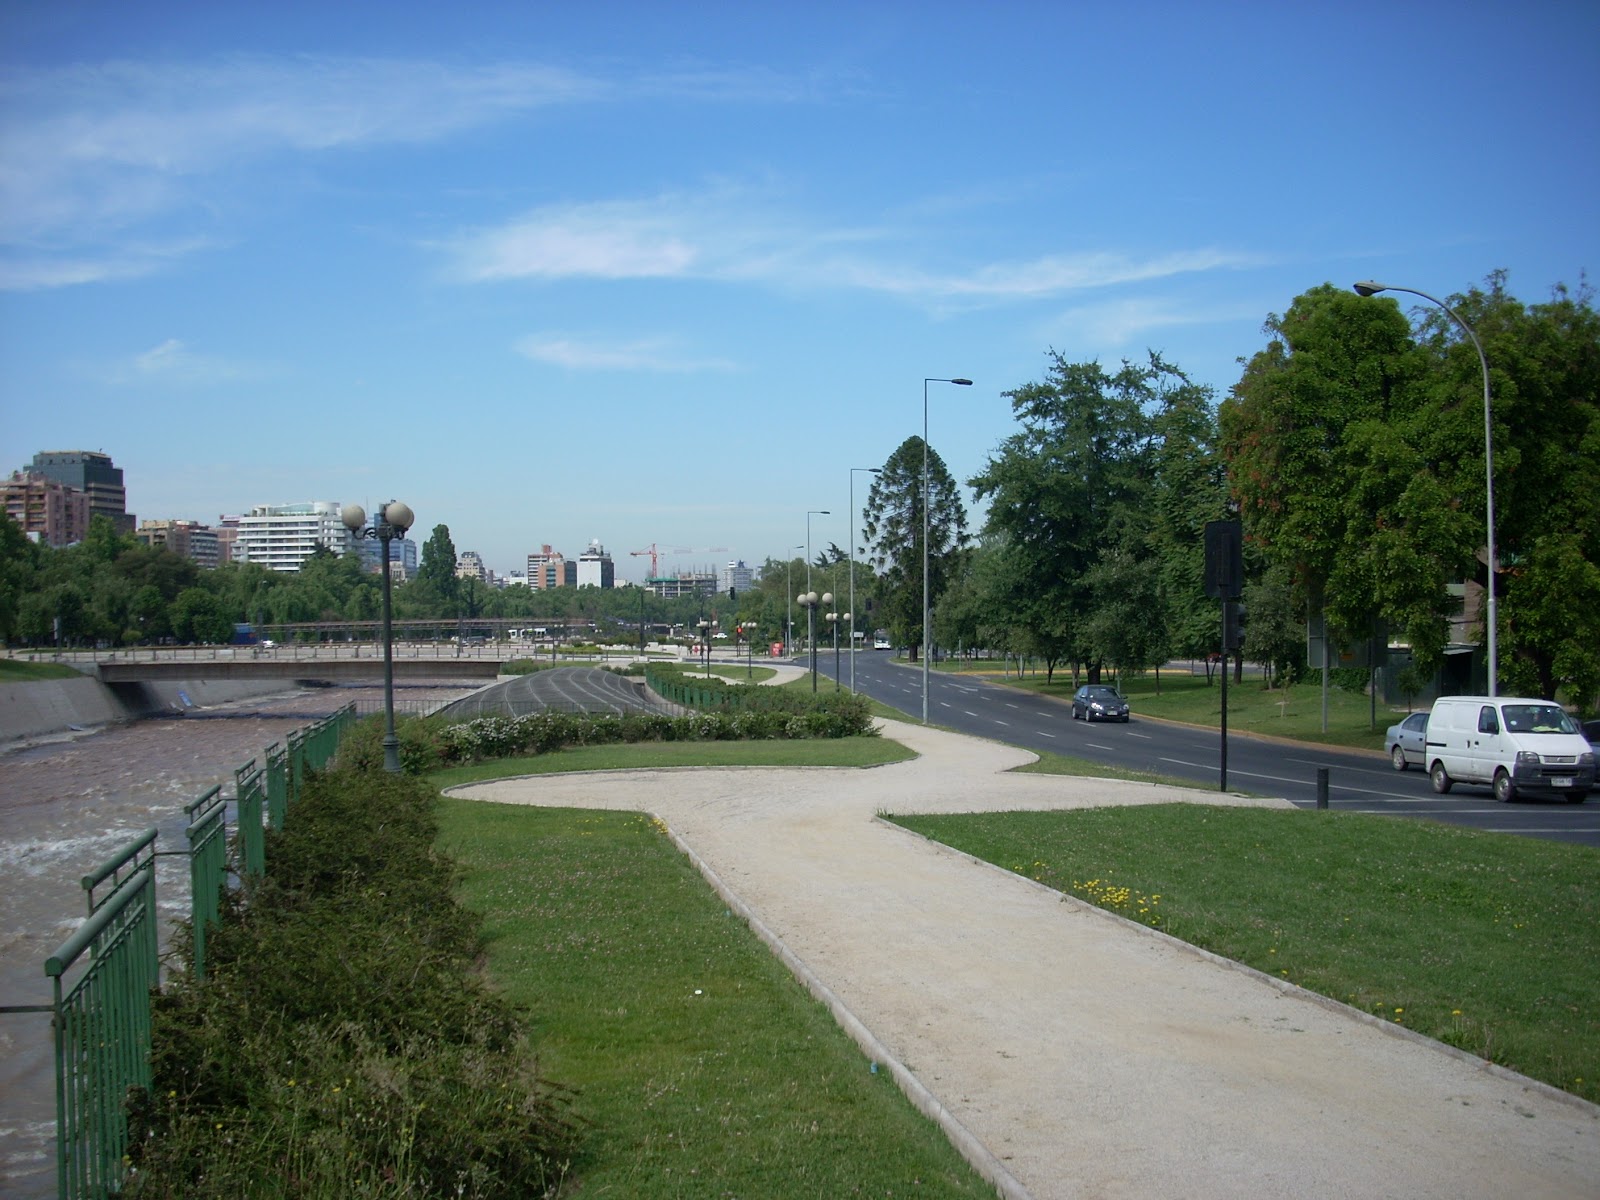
104, 975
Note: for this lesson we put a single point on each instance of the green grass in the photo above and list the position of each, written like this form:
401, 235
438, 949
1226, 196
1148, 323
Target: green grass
733, 674
701, 1066
1294, 712
1066, 764
16, 670
807, 752
1483, 941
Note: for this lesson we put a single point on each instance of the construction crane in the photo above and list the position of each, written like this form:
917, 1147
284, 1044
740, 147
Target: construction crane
651, 551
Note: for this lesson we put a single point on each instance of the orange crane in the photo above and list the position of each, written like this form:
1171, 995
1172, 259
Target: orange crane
655, 569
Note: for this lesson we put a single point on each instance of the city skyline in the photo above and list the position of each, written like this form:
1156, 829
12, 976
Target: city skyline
665, 274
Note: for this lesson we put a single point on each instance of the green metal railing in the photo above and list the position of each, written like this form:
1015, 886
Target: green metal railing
102, 1017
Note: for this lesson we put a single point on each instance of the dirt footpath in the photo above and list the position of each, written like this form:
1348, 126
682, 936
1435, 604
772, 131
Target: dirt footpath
1070, 1053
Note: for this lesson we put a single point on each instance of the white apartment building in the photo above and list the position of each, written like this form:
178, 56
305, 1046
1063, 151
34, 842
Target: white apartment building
595, 568
469, 565
282, 536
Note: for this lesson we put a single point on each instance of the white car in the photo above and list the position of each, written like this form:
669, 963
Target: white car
881, 644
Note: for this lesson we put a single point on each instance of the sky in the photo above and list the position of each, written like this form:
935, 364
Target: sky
664, 273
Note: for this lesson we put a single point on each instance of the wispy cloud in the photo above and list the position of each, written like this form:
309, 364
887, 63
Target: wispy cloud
173, 364
726, 234
1122, 322
577, 352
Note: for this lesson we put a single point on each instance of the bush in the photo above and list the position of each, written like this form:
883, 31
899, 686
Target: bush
342, 1042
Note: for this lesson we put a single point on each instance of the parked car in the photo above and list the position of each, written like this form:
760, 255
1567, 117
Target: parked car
1097, 702
1406, 742
1591, 733
1514, 744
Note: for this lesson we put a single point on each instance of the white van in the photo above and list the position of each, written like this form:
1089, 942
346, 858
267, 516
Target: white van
1511, 743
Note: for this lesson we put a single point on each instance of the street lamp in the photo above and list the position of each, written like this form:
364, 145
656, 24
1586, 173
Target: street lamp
815, 512
851, 615
1368, 288
833, 621
927, 631
809, 601
749, 651
788, 582
705, 636
390, 524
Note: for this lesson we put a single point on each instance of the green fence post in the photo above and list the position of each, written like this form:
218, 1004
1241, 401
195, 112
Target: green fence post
207, 835
277, 761
249, 784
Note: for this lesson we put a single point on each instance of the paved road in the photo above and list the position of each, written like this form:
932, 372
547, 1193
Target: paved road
1262, 766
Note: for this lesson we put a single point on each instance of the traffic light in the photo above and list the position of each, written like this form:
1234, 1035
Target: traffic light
1232, 625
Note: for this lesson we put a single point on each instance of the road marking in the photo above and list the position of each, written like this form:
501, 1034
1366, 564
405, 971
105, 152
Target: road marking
1042, 733
1009, 704
1097, 745
996, 720
1145, 736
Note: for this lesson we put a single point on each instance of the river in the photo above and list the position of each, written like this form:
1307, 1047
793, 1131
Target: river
65, 807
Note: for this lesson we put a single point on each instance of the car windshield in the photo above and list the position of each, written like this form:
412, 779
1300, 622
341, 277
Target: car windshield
1538, 718
1100, 693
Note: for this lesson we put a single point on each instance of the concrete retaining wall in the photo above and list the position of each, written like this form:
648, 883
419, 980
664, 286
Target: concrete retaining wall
50, 707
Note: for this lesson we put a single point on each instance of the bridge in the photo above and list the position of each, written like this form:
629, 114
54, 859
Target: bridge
332, 663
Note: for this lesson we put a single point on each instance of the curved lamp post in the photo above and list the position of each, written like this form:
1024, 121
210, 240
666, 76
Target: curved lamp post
851, 615
815, 512
1369, 288
927, 632
391, 523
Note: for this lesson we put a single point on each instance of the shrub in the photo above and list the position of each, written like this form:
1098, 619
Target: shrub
342, 1042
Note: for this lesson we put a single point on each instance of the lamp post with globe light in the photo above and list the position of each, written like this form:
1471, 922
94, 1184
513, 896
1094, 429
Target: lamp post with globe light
390, 524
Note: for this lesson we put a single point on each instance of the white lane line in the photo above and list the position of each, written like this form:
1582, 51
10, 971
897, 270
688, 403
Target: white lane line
1097, 745
1042, 733
1146, 736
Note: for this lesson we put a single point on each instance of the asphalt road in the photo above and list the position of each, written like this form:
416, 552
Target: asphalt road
1261, 766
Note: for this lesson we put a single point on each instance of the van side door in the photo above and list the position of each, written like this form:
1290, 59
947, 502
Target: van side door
1484, 745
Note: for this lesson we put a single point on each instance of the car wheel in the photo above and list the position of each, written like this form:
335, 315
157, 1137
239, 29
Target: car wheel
1440, 778
1504, 790
1397, 758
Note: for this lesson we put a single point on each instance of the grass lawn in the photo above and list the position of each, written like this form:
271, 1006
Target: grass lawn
754, 673
17, 670
1293, 712
1481, 940
700, 1064
809, 752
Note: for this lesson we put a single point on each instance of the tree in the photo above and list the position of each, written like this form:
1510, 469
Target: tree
1069, 488
893, 529
436, 572
198, 618
1336, 461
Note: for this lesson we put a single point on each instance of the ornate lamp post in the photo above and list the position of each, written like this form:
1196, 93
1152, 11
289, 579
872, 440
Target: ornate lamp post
749, 650
390, 524
810, 601
815, 512
927, 632
705, 636
1368, 288
833, 620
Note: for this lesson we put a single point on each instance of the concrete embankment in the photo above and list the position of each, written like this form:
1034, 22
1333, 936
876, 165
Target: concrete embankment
39, 710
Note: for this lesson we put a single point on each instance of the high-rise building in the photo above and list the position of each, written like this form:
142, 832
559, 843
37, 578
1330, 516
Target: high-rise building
469, 565
45, 508
402, 553
735, 577
595, 568
189, 539
93, 474
547, 569
282, 536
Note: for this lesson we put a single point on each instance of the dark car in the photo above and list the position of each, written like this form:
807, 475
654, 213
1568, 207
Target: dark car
1405, 741
1096, 702
1591, 732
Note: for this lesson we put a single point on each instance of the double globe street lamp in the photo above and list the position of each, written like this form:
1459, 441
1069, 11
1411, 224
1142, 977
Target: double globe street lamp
390, 525
810, 601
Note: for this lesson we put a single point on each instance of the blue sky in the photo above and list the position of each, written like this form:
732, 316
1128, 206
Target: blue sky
663, 273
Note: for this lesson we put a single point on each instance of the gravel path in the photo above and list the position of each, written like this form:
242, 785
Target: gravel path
1070, 1053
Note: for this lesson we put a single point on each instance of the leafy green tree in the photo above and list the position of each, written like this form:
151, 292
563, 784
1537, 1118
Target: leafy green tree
198, 618
1126, 626
893, 528
19, 566
436, 571
147, 614
1335, 460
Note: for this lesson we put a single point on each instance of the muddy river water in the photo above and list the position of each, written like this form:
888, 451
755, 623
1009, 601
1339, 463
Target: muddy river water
67, 806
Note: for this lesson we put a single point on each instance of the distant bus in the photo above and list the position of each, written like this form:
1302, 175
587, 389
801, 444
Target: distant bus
244, 635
